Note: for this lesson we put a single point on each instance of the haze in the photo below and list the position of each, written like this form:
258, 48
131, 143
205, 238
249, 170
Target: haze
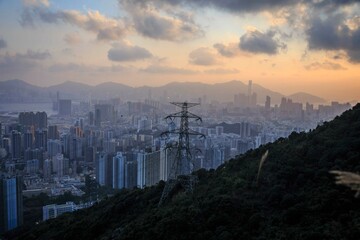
287, 46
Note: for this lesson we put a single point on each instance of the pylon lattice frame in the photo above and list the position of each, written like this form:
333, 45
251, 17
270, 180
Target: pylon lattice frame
179, 173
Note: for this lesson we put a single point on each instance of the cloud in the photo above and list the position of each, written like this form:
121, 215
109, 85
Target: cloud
158, 69
34, 55
335, 32
70, 67
151, 22
27, 19
93, 21
324, 65
10, 64
230, 50
242, 6
73, 38
81, 68
121, 52
21, 62
222, 71
3, 43
36, 3
203, 57
255, 41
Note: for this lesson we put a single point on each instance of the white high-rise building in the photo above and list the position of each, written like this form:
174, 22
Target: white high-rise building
118, 167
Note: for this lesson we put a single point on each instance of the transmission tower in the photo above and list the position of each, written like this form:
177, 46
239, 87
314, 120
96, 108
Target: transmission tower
180, 172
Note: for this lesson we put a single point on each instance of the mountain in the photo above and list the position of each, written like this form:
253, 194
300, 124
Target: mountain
176, 91
20, 91
110, 90
71, 90
306, 97
295, 197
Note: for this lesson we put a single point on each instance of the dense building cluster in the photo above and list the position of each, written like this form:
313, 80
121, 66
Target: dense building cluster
119, 143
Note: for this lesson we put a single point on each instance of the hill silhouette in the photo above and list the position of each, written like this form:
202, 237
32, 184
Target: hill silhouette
21, 91
296, 197
306, 97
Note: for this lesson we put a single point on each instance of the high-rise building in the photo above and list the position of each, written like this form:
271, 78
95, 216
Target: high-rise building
58, 165
244, 129
107, 112
11, 203
53, 147
32, 166
104, 169
144, 124
37, 120
75, 148
47, 169
53, 132
253, 101
6, 144
167, 159
130, 173
28, 140
41, 139
15, 144
91, 118
90, 155
219, 130
148, 165
118, 167
41, 120
267, 104
65, 107
97, 117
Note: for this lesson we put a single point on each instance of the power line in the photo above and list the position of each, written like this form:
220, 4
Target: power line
183, 165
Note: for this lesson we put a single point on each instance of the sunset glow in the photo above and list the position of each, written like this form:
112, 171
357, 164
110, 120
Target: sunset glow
286, 46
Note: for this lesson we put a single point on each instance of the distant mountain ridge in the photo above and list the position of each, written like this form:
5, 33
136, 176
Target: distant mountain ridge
18, 91
306, 97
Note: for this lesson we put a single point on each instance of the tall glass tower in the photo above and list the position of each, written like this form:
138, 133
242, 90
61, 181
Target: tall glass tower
11, 203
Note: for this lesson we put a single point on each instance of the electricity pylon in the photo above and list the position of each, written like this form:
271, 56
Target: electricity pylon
180, 172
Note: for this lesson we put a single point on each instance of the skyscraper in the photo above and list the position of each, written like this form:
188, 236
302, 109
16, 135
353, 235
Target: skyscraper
91, 118
97, 117
148, 168
28, 140
118, 171
107, 112
65, 107
53, 132
267, 104
37, 120
15, 144
41, 139
40, 120
11, 203
104, 169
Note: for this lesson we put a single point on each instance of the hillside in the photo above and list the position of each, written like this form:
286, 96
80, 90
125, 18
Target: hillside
306, 97
20, 91
296, 197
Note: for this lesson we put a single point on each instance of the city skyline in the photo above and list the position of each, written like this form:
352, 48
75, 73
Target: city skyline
287, 46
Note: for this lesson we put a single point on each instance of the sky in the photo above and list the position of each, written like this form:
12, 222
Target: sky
287, 46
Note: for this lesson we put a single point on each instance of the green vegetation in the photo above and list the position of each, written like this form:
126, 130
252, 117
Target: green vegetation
295, 197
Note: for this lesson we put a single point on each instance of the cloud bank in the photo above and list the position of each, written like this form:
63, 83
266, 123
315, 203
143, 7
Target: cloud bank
121, 52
